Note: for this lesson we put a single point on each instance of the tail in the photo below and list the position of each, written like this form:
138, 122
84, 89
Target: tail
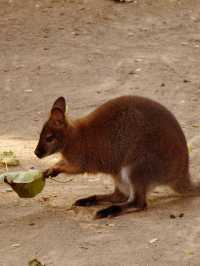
193, 190
193, 187
188, 187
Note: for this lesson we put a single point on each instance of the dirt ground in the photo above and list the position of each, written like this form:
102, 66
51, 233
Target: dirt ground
90, 51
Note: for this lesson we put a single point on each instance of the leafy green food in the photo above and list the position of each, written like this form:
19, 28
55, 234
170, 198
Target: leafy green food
8, 158
26, 184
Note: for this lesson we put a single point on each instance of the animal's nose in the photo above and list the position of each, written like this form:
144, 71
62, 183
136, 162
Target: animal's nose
38, 153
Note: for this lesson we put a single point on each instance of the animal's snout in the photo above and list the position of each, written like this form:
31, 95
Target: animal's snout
38, 152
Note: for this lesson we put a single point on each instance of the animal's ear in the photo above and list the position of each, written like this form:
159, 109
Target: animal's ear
57, 117
58, 112
59, 104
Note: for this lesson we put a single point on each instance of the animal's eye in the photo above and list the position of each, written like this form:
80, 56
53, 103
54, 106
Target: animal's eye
50, 138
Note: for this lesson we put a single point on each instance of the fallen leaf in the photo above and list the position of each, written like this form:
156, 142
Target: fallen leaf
196, 125
8, 158
35, 262
190, 253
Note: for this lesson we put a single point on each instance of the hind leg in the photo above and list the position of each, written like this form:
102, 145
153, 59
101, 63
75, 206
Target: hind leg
134, 205
137, 194
115, 197
140, 202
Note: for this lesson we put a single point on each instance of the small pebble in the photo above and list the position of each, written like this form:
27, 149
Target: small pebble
152, 241
31, 224
138, 60
84, 247
75, 33
130, 34
184, 43
16, 245
131, 72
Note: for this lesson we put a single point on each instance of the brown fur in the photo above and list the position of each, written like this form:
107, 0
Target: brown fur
128, 131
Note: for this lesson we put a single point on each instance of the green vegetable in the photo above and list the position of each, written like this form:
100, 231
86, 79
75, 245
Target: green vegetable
26, 184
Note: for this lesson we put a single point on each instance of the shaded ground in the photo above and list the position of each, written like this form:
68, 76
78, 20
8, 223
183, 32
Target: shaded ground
90, 51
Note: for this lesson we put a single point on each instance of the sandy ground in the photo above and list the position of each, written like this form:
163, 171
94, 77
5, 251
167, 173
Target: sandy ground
90, 51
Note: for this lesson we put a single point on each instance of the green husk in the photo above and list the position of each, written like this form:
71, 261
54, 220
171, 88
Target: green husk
26, 184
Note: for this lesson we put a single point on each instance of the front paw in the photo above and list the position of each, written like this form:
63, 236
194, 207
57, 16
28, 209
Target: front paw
86, 202
51, 172
111, 211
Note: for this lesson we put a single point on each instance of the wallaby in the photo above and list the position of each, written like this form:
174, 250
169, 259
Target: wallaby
134, 139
